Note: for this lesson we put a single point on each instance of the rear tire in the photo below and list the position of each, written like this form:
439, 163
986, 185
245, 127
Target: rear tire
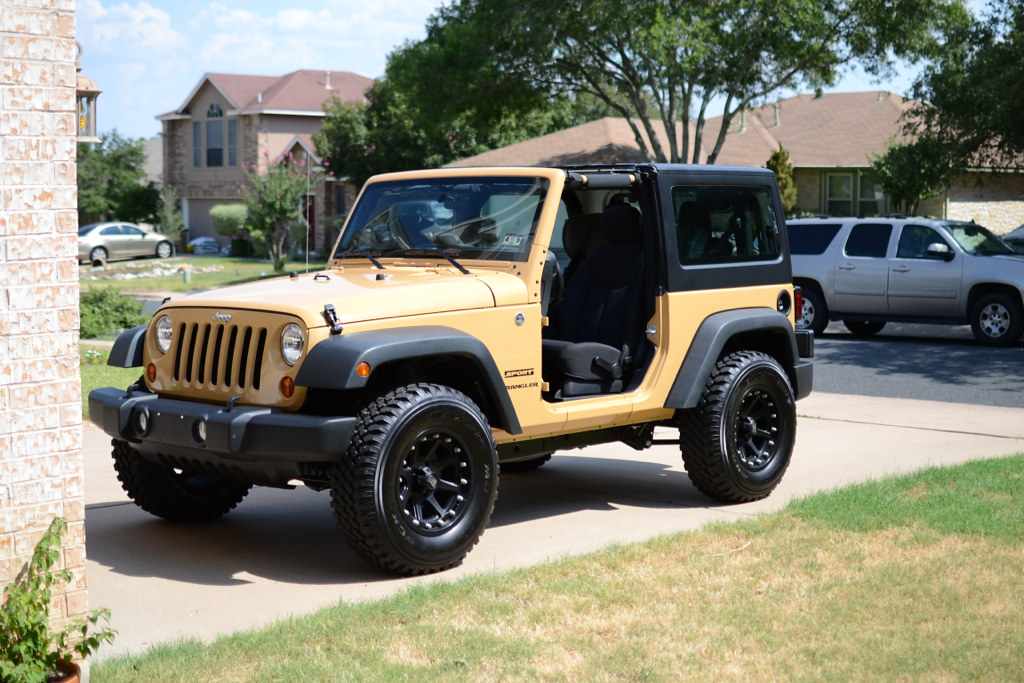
997, 320
178, 496
737, 442
814, 314
864, 328
98, 254
418, 484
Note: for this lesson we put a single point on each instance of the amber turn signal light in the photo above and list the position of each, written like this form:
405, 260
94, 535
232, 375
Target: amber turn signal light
151, 372
363, 369
287, 387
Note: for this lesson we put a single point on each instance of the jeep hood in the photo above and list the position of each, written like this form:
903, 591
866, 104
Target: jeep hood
366, 294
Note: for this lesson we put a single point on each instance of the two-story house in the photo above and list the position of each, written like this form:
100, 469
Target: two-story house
231, 123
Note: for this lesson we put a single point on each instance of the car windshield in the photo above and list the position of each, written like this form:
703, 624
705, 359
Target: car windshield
977, 240
491, 218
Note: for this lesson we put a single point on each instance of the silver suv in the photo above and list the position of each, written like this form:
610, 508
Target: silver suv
869, 271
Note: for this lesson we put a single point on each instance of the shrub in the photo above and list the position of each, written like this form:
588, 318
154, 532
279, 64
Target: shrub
106, 311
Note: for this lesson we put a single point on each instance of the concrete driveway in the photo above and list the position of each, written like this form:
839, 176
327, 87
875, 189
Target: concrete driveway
280, 553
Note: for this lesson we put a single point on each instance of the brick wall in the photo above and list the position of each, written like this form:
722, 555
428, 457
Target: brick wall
40, 386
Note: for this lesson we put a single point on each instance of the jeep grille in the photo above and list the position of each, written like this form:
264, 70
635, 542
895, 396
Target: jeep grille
215, 355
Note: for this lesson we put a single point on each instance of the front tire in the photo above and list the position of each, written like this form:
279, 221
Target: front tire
997, 320
175, 495
164, 250
418, 484
737, 442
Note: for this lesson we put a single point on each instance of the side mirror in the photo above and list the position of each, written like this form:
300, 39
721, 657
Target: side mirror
940, 250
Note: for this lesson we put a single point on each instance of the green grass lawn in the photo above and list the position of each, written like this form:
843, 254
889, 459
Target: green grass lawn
910, 578
142, 276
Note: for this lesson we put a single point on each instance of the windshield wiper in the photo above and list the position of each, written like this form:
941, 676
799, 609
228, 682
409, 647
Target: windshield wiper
362, 252
428, 251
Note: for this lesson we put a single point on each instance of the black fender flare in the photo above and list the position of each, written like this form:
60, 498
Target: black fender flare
127, 349
331, 364
775, 336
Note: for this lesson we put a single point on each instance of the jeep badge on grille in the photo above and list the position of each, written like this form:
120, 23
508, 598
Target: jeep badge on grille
222, 317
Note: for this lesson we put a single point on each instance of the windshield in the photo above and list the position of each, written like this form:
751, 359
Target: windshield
977, 240
472, 218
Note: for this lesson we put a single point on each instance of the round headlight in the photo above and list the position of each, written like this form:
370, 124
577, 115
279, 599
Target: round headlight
164, 334
293, 341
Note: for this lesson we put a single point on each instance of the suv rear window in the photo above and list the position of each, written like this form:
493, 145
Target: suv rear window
811, 239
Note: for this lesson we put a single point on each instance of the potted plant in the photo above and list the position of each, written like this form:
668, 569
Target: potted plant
31, 650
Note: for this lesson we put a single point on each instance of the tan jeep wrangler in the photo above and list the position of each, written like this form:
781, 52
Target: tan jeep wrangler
471, 318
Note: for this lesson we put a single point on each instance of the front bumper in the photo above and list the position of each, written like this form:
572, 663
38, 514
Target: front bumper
264, 445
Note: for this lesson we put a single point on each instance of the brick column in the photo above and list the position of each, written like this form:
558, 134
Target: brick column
40, 385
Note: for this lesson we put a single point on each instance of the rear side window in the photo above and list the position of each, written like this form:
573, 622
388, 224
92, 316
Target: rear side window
870, 240
811, 239
724, 224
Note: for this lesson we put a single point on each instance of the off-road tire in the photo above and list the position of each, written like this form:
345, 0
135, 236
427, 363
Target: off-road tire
164, 250
177, 496
864, 328
525, 465
737, 442
417, 486
997, 320
814, 314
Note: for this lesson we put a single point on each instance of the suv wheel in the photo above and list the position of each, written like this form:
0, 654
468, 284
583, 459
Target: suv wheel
737, 443
814, 314
997, 319
176, 495
419, 481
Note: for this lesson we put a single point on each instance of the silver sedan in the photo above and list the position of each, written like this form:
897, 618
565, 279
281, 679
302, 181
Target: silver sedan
105, 241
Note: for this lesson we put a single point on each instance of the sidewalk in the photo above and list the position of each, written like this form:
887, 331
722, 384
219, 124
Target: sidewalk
280, 553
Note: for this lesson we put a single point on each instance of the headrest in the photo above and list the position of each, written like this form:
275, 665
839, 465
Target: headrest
622, 224
579, 232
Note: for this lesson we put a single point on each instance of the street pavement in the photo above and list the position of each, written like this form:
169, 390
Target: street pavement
280, 553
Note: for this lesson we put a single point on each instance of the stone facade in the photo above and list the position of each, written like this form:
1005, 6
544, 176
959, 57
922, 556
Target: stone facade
41, 473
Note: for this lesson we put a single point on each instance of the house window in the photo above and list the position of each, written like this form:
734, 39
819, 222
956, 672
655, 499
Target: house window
214, 136
872, 197
197, 144
232, 143
839, 194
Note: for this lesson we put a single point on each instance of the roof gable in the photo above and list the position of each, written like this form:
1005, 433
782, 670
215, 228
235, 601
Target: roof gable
299, 92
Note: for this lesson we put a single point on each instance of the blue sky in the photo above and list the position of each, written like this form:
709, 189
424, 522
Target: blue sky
147, 57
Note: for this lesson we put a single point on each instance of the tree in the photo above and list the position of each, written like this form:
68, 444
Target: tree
779, 163
659, 63
168, 215
110, 182
399, 128
275, 201
970, 97
912, 171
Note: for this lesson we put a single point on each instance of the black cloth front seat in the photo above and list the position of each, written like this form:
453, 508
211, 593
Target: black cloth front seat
599, 324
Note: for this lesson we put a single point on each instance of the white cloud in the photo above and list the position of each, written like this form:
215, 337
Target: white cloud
125, 28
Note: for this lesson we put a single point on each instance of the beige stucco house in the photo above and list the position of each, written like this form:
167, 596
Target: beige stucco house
830, 138
230, 123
